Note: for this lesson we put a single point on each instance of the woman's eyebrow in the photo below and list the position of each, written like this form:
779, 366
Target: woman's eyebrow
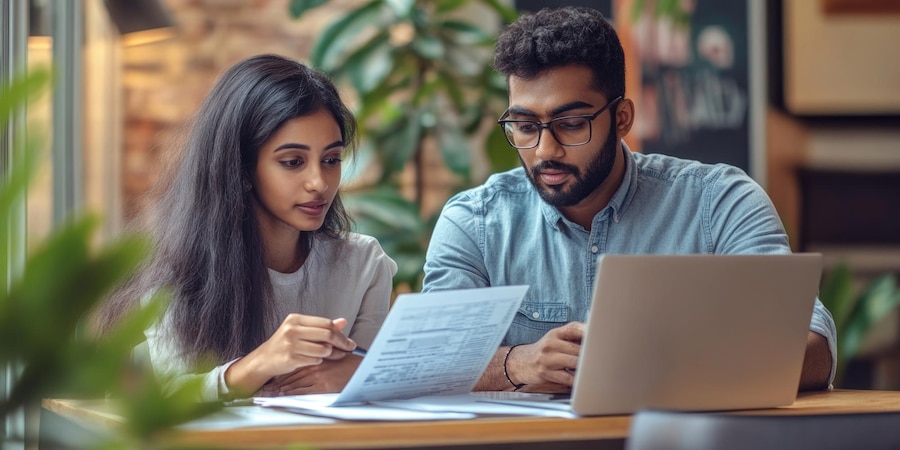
294, 145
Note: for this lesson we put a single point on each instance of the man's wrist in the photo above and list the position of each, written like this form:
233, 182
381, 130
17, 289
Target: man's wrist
516, 386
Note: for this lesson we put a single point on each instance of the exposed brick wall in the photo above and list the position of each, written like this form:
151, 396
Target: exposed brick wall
165, 82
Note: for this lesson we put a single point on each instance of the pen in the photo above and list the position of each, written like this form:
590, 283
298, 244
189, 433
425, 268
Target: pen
359, 351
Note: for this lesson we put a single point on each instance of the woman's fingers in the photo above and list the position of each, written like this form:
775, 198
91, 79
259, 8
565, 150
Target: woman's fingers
319, 329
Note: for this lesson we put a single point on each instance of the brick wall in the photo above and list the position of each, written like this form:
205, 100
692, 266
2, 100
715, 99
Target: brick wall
165, 82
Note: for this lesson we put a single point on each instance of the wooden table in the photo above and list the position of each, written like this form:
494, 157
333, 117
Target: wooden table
589, 432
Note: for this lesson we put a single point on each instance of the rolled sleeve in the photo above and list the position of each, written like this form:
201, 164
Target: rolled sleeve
454, 259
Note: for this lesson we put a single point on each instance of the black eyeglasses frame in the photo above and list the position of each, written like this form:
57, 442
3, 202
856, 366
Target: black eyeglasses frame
549, 125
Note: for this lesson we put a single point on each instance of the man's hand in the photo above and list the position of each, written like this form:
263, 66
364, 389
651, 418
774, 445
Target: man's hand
329, 376
549, 361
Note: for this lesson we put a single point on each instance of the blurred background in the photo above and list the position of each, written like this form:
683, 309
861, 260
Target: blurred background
802, 94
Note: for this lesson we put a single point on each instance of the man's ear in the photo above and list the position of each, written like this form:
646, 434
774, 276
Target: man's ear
624, 117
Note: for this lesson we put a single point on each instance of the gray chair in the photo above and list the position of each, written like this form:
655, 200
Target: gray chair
659, 430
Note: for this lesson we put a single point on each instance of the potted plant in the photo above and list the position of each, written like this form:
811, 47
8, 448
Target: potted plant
856, 313
422, 75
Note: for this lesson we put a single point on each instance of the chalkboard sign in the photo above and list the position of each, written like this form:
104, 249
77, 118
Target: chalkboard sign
692, 63
695, 71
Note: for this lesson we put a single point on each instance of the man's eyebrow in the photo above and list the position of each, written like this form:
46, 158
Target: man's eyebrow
294, 145
570, 106
519, 111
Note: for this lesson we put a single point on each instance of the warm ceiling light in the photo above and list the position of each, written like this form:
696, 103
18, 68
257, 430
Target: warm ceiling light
148, 36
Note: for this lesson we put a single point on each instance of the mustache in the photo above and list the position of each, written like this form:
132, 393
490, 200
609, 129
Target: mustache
553, 165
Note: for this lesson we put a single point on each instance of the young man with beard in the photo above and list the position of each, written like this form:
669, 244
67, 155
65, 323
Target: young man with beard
581, 193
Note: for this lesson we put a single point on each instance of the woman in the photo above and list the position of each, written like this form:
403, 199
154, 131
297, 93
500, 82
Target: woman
251, 236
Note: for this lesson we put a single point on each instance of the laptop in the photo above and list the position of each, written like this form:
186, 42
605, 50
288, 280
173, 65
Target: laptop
693, 333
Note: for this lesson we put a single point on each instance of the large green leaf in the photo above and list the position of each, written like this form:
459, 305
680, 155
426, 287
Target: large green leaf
445, 6
20, 90
92, 372
447, 82
465, 33
339, 37
454, 148
874, 305
12, 195
385, 206
64, 277
395, 222
401, 143
152, 410
80, 279
446, 64
369, 65
356, 167
13, 97
427, 46
299, 7
837, 294
409, 267
501, 155
402, 8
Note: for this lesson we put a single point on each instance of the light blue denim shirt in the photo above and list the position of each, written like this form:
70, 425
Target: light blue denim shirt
502, 233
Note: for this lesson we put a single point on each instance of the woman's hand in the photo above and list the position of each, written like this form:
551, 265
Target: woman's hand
299, 341
329, 376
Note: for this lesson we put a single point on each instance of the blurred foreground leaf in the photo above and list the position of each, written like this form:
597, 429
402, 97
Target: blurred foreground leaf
63, 279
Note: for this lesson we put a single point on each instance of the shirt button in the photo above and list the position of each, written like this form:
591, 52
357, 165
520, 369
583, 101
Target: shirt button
535, 314
594, 249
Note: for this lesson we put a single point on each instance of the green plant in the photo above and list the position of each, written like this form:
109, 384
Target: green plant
856, 315
677, 11
44, 303
421, 73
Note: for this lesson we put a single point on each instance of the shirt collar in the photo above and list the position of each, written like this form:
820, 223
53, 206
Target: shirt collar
617, 204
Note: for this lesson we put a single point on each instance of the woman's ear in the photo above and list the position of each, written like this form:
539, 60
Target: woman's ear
248, 186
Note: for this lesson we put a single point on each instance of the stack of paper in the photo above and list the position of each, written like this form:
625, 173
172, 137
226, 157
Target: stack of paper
433, 347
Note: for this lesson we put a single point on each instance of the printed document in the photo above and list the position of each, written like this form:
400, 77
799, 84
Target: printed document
435, 343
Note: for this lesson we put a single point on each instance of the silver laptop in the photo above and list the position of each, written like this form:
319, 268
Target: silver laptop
695, 332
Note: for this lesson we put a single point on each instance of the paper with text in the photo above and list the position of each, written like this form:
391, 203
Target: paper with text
435, 343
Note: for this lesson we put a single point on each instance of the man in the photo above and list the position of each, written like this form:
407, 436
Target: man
580, 193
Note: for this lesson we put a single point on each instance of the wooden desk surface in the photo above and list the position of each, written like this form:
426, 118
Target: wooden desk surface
480, 431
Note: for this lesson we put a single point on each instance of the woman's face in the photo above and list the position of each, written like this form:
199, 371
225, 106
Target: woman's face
297, 173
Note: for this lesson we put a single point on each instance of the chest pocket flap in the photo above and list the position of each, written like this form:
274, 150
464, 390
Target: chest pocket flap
545, 312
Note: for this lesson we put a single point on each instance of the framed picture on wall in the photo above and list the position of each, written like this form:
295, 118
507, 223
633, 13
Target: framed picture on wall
840, 57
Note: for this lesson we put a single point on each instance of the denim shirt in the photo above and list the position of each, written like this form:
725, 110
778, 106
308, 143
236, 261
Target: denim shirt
503, 233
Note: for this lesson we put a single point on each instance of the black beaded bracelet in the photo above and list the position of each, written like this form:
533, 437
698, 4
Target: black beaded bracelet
506, 373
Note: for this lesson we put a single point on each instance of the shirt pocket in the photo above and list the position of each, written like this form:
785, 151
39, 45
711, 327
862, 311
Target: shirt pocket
534, 320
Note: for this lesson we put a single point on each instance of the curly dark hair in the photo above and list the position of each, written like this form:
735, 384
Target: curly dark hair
555, 37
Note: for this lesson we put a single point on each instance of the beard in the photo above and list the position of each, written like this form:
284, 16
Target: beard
585, 184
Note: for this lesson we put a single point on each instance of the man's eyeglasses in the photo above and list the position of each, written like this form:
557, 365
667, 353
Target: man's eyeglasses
568, 130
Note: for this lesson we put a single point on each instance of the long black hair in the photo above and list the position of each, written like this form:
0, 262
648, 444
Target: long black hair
208, 248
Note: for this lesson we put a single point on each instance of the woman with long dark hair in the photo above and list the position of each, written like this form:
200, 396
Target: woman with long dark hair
270, 288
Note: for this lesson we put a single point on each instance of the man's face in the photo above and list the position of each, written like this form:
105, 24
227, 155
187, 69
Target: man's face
565, 175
